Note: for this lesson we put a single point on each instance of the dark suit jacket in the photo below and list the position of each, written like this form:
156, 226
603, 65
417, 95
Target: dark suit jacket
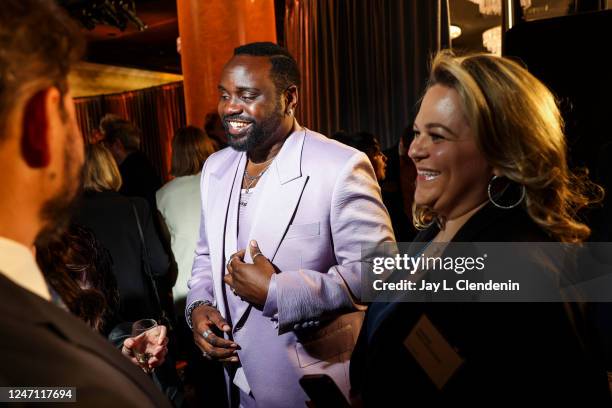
139, 178
513, 352
42, 345
110, 216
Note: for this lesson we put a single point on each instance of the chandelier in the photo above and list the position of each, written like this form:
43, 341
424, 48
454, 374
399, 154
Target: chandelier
493, 7
491, 40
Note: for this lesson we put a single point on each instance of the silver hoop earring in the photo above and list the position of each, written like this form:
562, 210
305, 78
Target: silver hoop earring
502, 191
290, 112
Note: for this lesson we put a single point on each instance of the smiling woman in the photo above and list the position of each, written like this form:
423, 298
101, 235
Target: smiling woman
452, 172
485, 125
485, 121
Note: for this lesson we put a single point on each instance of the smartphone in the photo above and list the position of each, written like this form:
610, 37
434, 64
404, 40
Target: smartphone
323, 391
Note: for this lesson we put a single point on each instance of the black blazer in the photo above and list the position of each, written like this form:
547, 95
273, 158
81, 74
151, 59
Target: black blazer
513, 352
139, 178
111, 217
42, 345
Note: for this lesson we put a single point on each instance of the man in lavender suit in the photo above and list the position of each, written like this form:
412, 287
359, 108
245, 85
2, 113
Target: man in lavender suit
275, 285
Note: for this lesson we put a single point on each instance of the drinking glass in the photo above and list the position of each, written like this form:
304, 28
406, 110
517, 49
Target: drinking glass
141, 329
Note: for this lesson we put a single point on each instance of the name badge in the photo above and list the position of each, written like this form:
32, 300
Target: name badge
433, 353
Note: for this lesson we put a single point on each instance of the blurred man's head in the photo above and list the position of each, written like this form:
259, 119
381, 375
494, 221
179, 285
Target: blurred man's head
108, 121
41, 147
367, 143
120, 136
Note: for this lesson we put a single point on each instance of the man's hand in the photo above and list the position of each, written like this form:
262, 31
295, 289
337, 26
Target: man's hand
204, 319
250, 281
147, 350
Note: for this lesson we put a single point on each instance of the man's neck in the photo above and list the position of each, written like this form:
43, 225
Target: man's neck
15, 226
19, 210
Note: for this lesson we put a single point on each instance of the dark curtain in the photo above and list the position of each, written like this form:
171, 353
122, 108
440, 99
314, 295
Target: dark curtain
156, 111
364, 63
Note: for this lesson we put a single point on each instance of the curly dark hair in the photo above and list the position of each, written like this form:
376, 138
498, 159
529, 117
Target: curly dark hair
80, 270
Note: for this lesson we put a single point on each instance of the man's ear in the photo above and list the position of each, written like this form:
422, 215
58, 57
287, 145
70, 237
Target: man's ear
291, 95
36, 127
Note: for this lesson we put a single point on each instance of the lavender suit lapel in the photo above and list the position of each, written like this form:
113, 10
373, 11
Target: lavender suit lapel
281, 195
222, 222
231, 225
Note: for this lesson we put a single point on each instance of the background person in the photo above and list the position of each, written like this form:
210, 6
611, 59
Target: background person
139, 178
366, 142
178, 202
111, 217
41, 157
79, 271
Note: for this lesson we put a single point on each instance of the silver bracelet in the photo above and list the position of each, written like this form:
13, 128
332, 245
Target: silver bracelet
192, 307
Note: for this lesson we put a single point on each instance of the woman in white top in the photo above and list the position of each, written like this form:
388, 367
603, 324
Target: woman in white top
179, 200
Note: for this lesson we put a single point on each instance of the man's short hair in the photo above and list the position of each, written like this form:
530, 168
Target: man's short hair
38, 44
284, 72
116, 128
108, 121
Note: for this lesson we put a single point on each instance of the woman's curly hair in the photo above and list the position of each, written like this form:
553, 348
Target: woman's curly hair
80, 270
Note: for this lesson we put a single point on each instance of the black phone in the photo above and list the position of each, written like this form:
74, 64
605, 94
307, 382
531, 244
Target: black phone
323, 391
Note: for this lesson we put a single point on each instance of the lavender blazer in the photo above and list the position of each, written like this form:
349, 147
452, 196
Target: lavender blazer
319, 203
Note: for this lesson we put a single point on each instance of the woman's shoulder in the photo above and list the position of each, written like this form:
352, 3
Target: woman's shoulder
492, 224
175, 192
115, 201
179, 184
140, 203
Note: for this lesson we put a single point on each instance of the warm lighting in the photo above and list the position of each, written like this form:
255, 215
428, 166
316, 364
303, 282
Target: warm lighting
491, 40
455, 31
493, 7
88, 79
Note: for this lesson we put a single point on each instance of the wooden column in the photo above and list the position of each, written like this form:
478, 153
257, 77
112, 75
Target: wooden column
210, 30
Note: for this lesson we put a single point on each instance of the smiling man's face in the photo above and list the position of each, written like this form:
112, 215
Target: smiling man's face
249, 103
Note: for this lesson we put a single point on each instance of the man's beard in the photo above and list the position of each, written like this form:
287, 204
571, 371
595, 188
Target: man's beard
257, 134
58, 210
